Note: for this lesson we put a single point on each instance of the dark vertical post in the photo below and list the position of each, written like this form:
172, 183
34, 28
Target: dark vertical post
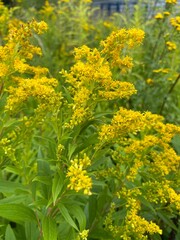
118, 7
109, 9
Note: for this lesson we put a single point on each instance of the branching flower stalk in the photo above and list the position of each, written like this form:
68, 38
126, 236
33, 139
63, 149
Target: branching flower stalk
83, 164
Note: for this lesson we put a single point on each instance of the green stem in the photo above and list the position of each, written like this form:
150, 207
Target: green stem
169, 92
1, 87
155, 47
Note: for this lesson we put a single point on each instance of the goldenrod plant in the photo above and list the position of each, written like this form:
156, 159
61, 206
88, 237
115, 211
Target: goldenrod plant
156, 73
76, 161
70, 24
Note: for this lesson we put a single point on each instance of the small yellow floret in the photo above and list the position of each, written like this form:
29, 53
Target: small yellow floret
171, 45
79, 179
159, 16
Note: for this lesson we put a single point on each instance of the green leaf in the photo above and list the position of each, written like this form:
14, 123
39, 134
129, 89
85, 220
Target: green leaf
178, 231
147, 204
43, 179
14, 170
156, 236
44, 171
104, 199
78, 213
100, 234
67, 216
9, 234
92, 209
71, 149
166, 219
49, 228
86, 143
9, 187
57, 185
176, 143
13, 199
10, 123
31, 230
66, 231
43, 168
102, 114
68, 96
17, 213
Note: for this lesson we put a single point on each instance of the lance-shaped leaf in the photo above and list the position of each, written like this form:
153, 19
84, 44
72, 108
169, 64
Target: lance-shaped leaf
49, 228
17, 213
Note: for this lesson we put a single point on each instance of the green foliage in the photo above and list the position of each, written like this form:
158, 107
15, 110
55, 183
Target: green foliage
17, 213
49, 228
156, 69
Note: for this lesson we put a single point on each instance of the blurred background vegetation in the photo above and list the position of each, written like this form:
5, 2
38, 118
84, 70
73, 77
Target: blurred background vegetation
75, 23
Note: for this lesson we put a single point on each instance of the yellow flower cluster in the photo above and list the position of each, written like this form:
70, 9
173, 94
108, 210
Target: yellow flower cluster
63, 1
18, 47
109, 25
79, 116
80, 106
159, 163
154, 152
47, 9
83, 235
6, 146
135, 226
166, 13
151, 153
174, 198
150, 81
60, 149
117, 90
175, 22
117, 42
3, 68
166, 131
165, 162
42, 89
5, 16
140, 227
171, 1
161, 192
19, 36
159, 16
78, 176
90, 67
91, 80
171, 46
81, 1
21, 67
162, 70
13, 65
125, 122
142, 152
130, 195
